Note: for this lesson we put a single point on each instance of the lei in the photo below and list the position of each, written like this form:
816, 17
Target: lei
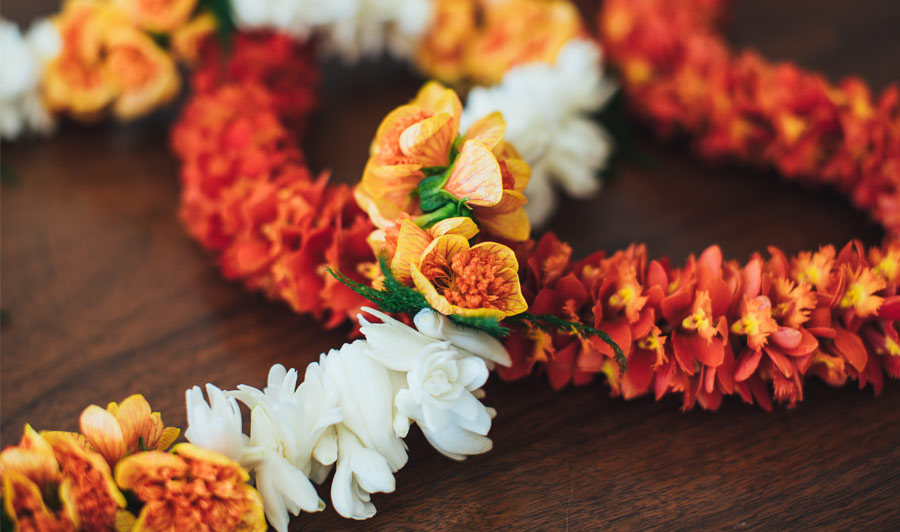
437, 235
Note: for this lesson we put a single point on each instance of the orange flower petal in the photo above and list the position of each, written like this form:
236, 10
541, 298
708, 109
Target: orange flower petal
476, 176
435, 98
133, 417
411, 243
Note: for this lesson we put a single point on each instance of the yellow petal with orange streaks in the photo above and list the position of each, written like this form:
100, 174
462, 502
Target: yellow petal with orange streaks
488, 130
436, 98
514, 302
33, 457
519, 170
103, 432
411, 243
444, 247
388, 124
168, 436
461, 225
133, 417
513, 226
429, 140
476, 176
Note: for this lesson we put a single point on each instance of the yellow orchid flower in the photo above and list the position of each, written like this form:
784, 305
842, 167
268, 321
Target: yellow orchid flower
478, 281
121, 429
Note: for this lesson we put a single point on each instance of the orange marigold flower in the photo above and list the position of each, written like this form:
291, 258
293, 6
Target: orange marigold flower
481, 280
814, 268
124, 429
191, 489
755, 321
158, 16
860, 287
58, 463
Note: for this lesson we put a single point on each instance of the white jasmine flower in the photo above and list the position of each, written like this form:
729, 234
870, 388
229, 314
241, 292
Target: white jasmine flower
366, 400
378, 25
442, 385
360, 472
546, 109
23, 60
284, 488
466, 339
217, 425
350, 28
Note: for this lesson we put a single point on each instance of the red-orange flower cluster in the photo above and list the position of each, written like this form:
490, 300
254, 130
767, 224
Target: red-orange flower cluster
680, 73
248, 194
714, 327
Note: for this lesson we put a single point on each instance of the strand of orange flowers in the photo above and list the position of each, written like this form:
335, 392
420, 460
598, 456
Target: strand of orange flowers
714, 327
681, 75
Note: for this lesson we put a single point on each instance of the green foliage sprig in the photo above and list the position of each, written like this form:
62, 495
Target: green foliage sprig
398, 298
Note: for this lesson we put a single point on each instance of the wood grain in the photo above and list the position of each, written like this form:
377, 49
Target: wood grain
107, 296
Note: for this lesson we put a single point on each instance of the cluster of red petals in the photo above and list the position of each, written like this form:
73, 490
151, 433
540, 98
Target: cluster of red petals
714, 327
247, 193
680, 73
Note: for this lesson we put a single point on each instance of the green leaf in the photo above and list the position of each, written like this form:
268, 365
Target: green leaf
551, 324
225, 25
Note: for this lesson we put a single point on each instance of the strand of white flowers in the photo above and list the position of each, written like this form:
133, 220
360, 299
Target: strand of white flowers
547, 109
350, 29
351, 412
23, 58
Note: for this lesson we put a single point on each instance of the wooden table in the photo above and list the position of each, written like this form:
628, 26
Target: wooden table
106, 296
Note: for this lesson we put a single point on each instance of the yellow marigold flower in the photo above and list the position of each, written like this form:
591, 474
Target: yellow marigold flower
517, 32
122, 429
160, 16
191, 489
58, 463
441, 52
860, 287
144, 74
187, 39
411, 137
480, 280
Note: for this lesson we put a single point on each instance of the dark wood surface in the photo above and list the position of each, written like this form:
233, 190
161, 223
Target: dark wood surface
106, 296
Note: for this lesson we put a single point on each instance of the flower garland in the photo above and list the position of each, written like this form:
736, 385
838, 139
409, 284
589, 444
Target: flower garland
436, 231
680, 74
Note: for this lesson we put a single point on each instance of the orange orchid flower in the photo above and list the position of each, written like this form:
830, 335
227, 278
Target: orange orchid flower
814, 268
755, 321
58, 463
159, 16
412, 137
862, 284
123, 429
212, 492
480, 280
